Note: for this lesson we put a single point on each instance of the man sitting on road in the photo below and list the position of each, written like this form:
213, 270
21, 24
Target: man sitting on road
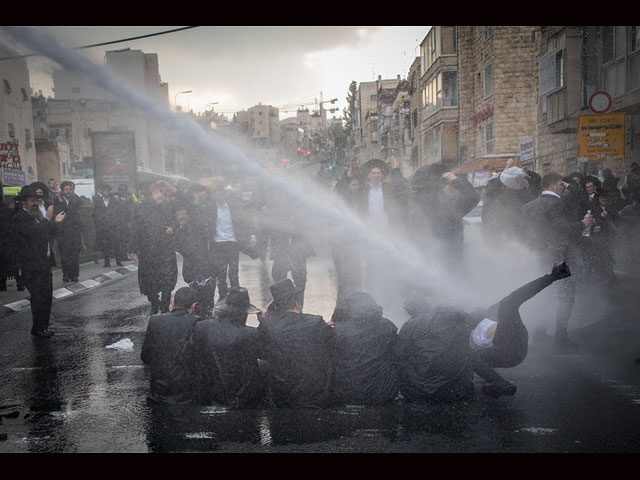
165, 341
297, 351
223, 354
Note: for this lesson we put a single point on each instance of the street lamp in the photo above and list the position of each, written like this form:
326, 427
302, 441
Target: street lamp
175, 99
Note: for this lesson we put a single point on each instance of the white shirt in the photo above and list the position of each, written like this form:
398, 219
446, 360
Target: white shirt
482, 336
549, 192
377, 215
104, 199
224, 225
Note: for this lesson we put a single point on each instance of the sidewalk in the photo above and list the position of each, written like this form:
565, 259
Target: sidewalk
91, 275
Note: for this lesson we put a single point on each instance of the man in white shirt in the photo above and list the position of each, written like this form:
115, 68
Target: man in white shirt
230, 228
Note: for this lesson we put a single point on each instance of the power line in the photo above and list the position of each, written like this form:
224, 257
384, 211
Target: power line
107, 43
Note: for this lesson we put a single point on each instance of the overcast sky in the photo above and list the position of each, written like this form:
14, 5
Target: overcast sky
238, 67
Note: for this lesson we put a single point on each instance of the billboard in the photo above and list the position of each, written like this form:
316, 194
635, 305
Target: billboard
601, 137
114, 159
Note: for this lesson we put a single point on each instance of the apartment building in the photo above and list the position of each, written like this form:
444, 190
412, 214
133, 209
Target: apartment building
17, 149
264, 126
415, 158
577, 65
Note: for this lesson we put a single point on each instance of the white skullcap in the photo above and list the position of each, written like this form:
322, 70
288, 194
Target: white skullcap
514, 178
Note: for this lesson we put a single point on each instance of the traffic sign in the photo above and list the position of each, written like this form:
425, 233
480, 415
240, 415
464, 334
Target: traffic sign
600, 102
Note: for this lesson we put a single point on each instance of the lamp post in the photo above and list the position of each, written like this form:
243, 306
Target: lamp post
175, 99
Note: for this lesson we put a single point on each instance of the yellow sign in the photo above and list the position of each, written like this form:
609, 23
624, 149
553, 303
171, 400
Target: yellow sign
601, 137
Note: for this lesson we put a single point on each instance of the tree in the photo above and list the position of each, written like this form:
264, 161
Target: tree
349, 112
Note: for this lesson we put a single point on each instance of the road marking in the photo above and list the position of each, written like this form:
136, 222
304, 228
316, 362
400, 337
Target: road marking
90, 283
113, 274
199, 435
538, 430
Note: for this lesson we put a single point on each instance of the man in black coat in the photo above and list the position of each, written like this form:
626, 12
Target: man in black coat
152, 246
364, 344
33, 236
192, 243
551, 231
69, 231
223, 355
439, 200
297, 351
106, 224
164, 350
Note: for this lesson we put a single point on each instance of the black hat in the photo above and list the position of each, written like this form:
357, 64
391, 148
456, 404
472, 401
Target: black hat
28, 191
284, 290
236, 301
376, 163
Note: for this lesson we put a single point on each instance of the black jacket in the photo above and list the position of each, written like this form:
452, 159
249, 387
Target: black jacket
71, 227
549, 227
223, 357
299, 351
364, 345
33, 239
164, 351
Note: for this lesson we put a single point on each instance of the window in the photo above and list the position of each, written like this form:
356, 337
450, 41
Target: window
488, 81
551, 72
6, 85
27, 135
449, 40
374, 98
571, 165
621, 59
11, 129
450, 89
488, 135
487, 32
25, 97
546, 168
75, 90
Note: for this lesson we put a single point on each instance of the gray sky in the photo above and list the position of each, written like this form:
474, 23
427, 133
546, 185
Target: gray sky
238, 67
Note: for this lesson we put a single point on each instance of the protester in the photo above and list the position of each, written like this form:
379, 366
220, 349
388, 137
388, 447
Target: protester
152, 246
51, 191
552, 232
502, 204
69, 231
223, 355
346, 248
192, 242
297, 351
163, 350
106, 225
234, 231
364, 346
498, 337
289, 244
33, 235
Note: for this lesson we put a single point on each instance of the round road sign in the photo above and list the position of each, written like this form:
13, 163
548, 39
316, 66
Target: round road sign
600, 102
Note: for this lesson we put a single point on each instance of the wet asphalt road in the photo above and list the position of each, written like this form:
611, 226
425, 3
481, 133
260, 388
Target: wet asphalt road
71, 394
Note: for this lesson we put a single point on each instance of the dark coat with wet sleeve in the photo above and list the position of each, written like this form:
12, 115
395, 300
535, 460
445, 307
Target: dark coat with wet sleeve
154, 247
298, 350
223, 356
32, 238
163, 350
365, 341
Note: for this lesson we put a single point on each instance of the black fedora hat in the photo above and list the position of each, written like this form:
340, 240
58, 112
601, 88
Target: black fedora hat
376, 163
28, 191
236, 301
284, 290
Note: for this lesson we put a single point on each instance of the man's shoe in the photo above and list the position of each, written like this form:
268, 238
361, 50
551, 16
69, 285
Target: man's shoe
41, 333
50, 332
499, 389
74, 279
118, 263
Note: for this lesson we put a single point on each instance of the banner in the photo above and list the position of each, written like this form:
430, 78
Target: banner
601, 137
114, 159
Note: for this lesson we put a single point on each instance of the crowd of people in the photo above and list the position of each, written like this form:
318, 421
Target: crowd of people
202, 350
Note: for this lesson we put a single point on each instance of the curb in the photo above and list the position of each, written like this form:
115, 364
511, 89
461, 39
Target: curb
59, 293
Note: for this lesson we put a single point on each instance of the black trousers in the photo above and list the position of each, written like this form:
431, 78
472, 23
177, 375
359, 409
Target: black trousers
40, 287
511, 340
297, 265
226, 259
70, 257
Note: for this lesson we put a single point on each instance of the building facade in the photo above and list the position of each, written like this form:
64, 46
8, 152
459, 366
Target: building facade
17, 147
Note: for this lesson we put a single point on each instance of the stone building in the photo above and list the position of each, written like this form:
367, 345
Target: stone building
17, 148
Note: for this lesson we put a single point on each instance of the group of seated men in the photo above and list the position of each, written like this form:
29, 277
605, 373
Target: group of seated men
294, 359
